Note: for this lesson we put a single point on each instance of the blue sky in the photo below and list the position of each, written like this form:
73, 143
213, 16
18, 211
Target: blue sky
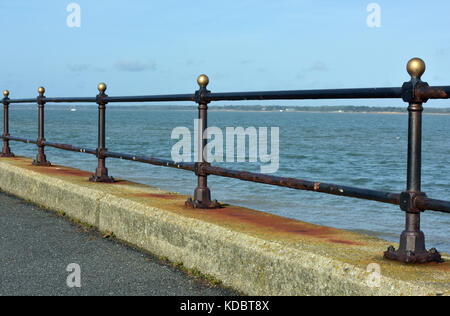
157, 47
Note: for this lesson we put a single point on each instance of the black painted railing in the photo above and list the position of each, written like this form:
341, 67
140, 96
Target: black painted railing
412, 201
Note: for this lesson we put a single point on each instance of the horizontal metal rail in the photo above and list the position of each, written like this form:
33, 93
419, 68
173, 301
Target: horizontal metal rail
153, 98
442, 92
438, 92
152, 161
238, 96
425, 203
334, 189
68, 147
69, 100
12, 101
19, 139
371, 93
305, 185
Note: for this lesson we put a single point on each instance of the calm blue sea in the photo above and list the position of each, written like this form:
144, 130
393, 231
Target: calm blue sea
364, 150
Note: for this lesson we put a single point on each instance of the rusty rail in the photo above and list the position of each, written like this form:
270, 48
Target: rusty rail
412, 201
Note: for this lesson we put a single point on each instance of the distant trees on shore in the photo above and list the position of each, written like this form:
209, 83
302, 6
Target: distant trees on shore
338, 109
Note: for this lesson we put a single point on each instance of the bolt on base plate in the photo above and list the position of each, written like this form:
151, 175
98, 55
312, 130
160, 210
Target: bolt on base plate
410, 257
197, 204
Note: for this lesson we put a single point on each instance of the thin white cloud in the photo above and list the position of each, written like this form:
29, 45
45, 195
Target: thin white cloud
318, 66
443, 52
84, 67
134, 65
78, 67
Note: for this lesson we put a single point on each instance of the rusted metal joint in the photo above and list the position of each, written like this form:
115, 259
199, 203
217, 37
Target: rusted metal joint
418, 98
200, 96
41, 99
198, 168
100, 99
6, 150
40, 142
101, 153
410, 95
408, 202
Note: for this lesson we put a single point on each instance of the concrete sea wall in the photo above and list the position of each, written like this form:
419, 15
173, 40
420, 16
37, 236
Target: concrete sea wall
254, 252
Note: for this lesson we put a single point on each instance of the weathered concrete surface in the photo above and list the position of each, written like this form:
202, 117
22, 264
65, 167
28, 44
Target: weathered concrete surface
254, 252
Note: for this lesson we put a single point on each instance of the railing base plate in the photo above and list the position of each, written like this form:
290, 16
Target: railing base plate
41, 164
203, 205
410, 257
7, 155
104, 179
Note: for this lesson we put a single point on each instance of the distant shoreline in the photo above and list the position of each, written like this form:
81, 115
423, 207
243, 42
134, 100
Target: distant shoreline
318, 112
261, 108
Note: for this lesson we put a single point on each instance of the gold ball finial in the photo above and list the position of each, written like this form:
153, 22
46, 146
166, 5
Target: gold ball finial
416, 68
5, 93
203, 81
101, 87
41, 90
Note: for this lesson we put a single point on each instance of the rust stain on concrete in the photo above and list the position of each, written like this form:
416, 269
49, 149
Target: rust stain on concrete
157, 196
442, 266
264, 224
62, 171
345, 242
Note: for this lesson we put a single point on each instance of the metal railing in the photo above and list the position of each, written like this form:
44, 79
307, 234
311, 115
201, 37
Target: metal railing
412, 201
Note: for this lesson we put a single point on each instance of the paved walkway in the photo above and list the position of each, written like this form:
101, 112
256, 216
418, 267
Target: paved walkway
36, 247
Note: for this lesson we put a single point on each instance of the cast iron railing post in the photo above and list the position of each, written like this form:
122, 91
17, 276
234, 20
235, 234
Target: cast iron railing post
41, 159
101, 173
6, 151
412, 241
202, 194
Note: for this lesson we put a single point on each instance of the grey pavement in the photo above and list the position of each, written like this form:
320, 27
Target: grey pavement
37, 245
